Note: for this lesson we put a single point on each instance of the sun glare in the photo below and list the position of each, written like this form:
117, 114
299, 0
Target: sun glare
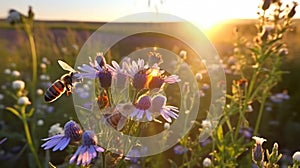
207, 14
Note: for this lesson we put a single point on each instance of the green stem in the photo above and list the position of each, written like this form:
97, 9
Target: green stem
34, 64
29, 139
261, 109
103, 160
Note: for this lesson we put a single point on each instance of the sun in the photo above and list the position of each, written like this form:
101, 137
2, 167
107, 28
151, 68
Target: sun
207, 14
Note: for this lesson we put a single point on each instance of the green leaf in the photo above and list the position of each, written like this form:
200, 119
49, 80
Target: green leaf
220, 133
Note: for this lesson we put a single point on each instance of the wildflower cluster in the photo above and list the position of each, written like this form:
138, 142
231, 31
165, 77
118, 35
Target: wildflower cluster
144, 83
72, 134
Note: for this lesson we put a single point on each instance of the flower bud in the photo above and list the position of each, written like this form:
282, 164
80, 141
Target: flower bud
206, 162
24, 101
296, 157
266, 4
18, 85
292, 11
73, 130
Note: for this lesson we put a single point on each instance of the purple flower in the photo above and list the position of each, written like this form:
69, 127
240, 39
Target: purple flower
88, 150
142, 108
158, 104
135, 153
246, 132
138, 72
3, 140
72, 133
179, 149
96, 69
157, 79
147, 108
119, 74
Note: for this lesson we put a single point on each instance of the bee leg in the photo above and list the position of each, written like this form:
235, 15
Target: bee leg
68, 89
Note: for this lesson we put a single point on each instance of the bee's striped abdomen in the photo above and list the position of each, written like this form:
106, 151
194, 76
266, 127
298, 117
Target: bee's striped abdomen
54, 91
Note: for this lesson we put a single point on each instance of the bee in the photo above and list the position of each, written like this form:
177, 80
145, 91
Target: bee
62, 85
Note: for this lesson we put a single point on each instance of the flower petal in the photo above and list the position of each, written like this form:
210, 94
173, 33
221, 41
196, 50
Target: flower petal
148, 115
62, 144
73, 158
140, 114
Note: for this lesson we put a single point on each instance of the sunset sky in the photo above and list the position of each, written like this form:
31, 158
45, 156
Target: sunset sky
203, 12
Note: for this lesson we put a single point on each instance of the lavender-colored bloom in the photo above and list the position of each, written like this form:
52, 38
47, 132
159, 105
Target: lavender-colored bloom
258, 151
280, 97
154, 58
246, 132
96, 69
179, 149
88, 150
72, 132
157, 79
3, 140
140, 80
119, 74
135, 153
158, 104
142, 108
135, 67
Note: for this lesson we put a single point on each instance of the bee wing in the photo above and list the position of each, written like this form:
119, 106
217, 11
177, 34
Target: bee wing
65, 66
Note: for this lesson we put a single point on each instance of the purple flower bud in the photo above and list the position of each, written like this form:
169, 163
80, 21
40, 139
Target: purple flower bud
89, 138
140, 80
156, 82
105, 78
73, 130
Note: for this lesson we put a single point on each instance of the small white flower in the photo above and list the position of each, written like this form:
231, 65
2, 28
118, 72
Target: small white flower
15, 73
24, 101
183, 54
198, 76
205, 86
39, 92
167, 125
44, 77
206, 162
206, 124
64, 49
7, 71
259, 140
55, 129
18, 85
45, 60
43, 65
1, 96
250, 108
40, 122
296, 156
75, 47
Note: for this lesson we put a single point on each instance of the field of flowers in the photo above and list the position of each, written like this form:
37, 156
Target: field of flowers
41, 127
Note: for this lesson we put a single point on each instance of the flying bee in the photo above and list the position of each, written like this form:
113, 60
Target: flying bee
62, 85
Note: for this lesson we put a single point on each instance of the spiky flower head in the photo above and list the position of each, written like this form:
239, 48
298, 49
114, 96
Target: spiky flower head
73, 130
258, 151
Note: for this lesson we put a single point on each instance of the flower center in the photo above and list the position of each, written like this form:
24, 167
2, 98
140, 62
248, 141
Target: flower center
140, 80
105, 78
144, 103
